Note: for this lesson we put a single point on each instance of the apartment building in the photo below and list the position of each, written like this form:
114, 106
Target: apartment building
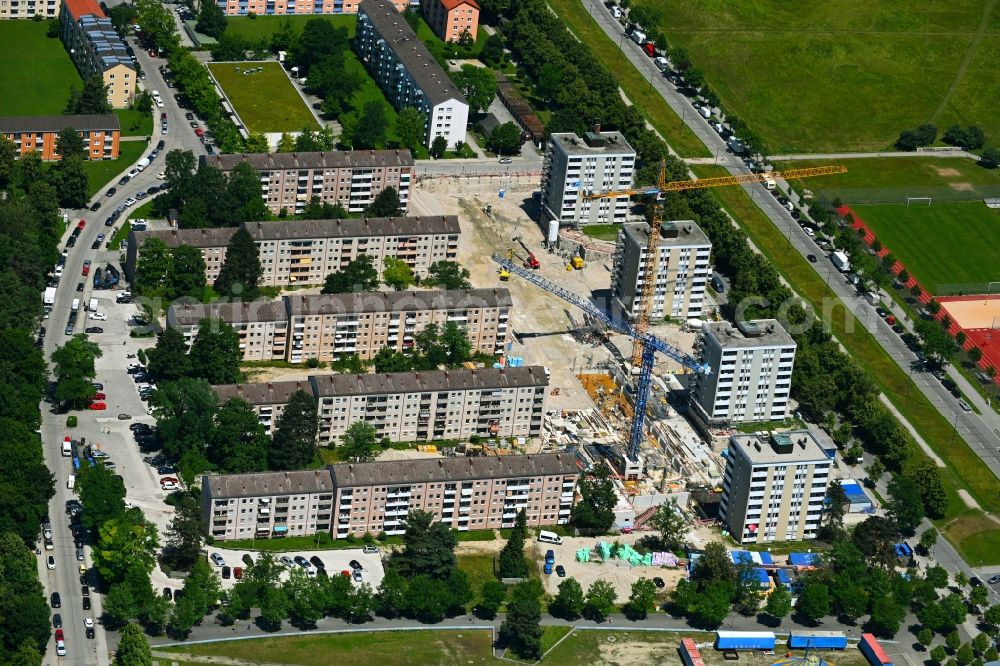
326, 327
283, 7
26, 9
96, 48
751, 374
267, 399
359, 498
574, 167
40, 134
407, 72
774, 486
415, 406
352, 178
682, 270
278, 504
304, 252
451, 19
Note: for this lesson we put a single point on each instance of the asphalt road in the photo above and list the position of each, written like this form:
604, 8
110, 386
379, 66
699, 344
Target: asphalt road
975, 430
65, 579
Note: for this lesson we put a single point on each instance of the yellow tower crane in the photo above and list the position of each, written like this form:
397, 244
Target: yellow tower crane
659, 191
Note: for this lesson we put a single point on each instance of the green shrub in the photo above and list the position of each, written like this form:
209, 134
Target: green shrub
70, 421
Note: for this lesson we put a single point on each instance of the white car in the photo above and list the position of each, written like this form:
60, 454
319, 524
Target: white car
155, 94
50, 563
809, 232
159, 103
61, 648
130, 202
162, 175
98, 316
88, 622
163, 128
133, 173
169, 485
287, 561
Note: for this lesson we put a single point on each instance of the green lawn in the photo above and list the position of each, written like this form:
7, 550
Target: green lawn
385, 648
101, 172
635, 85
944, 243
266, 101
442, 51
264, 26
369, 92
479, 569
606, 232
820, 77
287, 544
37, 72
977, 537
963, 469
892, 179
135, 123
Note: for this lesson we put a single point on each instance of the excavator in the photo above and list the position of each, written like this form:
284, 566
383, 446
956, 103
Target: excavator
532, 261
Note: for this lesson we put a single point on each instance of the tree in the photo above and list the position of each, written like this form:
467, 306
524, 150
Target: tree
990, 158
937, 576
711, 605
410, 127
939, 654
968, 138
185, 417
513, 563
304, 596
22, 601
125, 543
385, 204
779, 602
390, 598
215, 352
317, 209
102, 495
256, 143
641, 599
875, 537
927, 477
670, 522
550, 79
978, 596
397, 273
491, 597
596, 508
928, 538
359, 442
430, 547
569, 602
372, 127
359, 275
92, 100
153, 268
521, 628
133, 648
185, 533
953, 640
887, 616
75, 370
8, 157
492, 52
286, 144
241, 272
964, 655
905, 505
455, 343
439, 146
447, 275
599, 601
975, 355
70, 144
981, 642
187, 273
925, 636
239, 443
814, 602
168, 360
478, 84
157, 23
211, 20
294, 442
505, 139
70, 180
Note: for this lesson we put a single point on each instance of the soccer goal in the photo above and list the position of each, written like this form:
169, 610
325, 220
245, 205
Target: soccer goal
918, 201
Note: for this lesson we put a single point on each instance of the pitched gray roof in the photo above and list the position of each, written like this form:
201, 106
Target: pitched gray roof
200, 238
336, 159
271, 393
436, 85
189, 314
269, 483
397, 301
438, 380
453, 469
57, 123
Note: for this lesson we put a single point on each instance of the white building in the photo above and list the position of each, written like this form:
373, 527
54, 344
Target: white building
774, 486
751, 374
682, 270
407, 72
573, 167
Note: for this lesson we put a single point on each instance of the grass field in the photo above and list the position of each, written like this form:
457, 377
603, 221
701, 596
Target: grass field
266, 101
479, 569
102, 172
892, 179
820, 77
635, 85
369, 92
944, 243
135, 123
977, 537
439, 49
37, 72
264, 26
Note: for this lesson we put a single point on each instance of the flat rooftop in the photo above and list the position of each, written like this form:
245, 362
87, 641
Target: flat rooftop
794, 446
748, 334
592, 143
672, 234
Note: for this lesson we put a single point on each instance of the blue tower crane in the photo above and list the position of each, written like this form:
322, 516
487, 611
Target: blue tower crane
650, 345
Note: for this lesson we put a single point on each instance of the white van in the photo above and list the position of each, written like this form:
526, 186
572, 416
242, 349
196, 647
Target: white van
660, 62
549, 537
705, 112
67, 448
93, 305
76, 304
71, 481
639, 37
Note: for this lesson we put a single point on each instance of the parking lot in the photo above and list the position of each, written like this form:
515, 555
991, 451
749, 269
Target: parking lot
336, 561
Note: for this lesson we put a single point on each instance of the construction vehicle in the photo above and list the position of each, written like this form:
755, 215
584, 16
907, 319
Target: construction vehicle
532, 261
659, 192
577, 262
648, 343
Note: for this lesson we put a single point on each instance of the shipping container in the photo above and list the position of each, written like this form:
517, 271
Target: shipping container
690, 653
744, 640
870, 647
817, 640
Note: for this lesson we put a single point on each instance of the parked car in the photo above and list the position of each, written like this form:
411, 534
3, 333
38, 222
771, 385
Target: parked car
217, 559
167, 593
55, 600
286, 561
354, 564
317, 562
97, 406
94, 330
226, 572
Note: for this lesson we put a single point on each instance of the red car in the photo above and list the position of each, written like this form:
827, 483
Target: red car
169, 479
238, 573
86, 271
81, 224
99, 396
97, 406
199, 132
163, 116
59, 635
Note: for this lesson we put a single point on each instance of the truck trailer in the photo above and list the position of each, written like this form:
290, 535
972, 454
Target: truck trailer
817, 640
841, 261
49, 299
745, 640
873, 652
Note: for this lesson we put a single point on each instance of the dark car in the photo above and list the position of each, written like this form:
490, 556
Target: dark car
160, 144
167, 593
166, 470
189, 116
226, 572
975, 582
811, 258
90, 632
898, 328
137, 427
247, 560
96, 245
882, 312
124, 179
111, 192
317, 562
56, 621
561, 571
354, 564
796, 215
79, 286
94, 330
56, 601
96, 205
84, 591
658, 582
86, 603
109, 222
71, 242
100, 387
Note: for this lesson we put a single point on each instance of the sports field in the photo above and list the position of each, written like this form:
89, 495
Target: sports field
939, 244
849, 75
37, 72
266, 101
